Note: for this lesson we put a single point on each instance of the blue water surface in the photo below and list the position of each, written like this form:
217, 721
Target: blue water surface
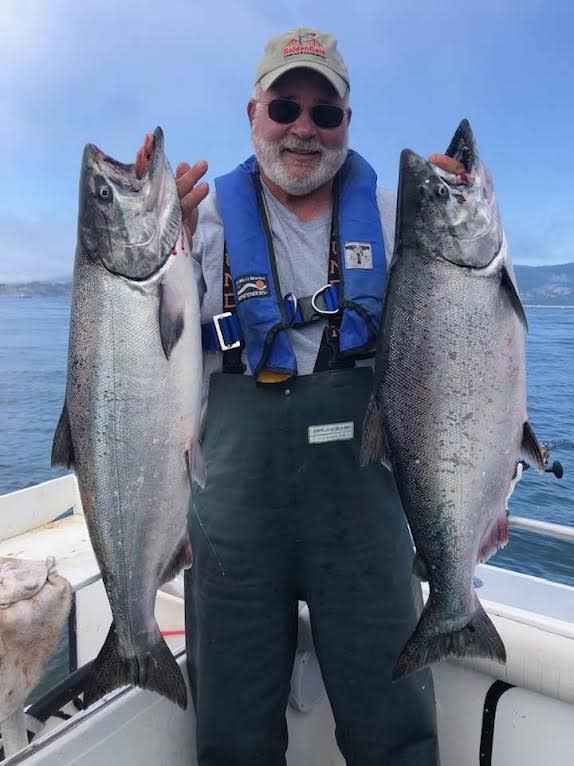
33, 353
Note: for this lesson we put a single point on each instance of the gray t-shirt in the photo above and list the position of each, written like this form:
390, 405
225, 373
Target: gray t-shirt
301, 253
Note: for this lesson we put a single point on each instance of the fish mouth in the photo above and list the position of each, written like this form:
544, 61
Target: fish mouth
109, 167
122, 173
456, 217
414, 174
412, 163
463, 147
135, 212
157, 154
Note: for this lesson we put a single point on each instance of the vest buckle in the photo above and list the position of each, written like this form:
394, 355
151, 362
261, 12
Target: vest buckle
328, 296
216, 323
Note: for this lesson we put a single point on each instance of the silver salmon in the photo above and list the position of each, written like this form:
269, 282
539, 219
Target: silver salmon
130, 423
448, 412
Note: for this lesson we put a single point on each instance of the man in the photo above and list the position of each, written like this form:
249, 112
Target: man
287, 513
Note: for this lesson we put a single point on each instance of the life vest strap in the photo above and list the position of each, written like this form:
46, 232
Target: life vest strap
224, 331
356, 274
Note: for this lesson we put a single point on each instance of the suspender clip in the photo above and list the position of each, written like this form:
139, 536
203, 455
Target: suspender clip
216, 323
328, 297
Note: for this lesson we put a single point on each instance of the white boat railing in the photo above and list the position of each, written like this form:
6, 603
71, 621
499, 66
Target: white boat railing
547, 528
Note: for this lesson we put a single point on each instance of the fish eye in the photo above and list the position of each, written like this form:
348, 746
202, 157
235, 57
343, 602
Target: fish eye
441, 190
104, 192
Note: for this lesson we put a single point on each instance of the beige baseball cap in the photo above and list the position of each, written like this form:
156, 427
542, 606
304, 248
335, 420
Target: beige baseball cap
303, 47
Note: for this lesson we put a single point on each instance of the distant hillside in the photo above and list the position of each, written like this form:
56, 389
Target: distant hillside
36, 289
539, 286
546, 285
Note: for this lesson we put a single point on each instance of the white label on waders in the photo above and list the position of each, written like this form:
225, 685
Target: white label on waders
331, 432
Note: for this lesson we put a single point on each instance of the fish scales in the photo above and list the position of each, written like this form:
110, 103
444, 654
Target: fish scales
445, 387
130, 423
448, 413
134, 403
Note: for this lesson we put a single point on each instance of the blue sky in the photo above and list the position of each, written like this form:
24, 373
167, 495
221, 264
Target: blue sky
108, 71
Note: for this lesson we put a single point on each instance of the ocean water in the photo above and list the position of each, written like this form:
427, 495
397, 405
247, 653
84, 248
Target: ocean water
33, 351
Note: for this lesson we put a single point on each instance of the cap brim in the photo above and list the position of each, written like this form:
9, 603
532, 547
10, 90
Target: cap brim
336, 81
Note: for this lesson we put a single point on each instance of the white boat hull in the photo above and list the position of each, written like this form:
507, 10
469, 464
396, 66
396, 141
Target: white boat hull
519, 714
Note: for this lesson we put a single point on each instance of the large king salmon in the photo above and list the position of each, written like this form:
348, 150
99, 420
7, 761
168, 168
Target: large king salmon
130, 423
448, 412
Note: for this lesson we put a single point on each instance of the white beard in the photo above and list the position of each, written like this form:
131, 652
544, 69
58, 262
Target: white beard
269, 157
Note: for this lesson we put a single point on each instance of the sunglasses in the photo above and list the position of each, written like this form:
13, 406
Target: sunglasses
284, 111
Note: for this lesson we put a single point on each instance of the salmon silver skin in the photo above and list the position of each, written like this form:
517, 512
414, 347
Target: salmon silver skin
130, 423
448, 411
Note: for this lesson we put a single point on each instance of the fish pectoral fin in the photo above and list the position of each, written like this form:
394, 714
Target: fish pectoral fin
171, 306
181, 559
508, 286
495, 538
155, 669
531, 450
420, 568
196, 469
374, 446
62, 448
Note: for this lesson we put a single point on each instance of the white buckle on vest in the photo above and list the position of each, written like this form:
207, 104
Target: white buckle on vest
222, 344
318, 294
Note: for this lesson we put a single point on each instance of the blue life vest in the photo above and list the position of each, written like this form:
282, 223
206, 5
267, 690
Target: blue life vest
263, 313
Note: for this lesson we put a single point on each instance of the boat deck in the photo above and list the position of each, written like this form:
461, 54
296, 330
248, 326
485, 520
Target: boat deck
530, 699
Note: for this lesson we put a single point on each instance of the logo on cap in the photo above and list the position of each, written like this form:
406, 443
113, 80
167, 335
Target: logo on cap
304, 44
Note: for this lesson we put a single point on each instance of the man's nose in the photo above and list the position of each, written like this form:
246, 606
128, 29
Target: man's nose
304, 127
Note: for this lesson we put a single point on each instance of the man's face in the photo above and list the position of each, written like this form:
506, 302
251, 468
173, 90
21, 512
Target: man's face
299, 157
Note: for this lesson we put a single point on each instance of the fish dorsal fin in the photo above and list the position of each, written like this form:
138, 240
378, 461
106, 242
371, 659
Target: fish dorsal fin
508, 286
196, 469
374, 446
62, 448
531, 449
171, 305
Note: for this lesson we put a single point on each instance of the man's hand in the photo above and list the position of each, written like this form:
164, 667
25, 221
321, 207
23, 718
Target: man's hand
186, 177
449, 165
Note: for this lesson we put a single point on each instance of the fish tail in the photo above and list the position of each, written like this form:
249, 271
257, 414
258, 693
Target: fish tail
156, 670
428, 644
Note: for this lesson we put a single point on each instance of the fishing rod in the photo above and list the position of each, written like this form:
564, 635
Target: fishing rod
547, 528
556, 468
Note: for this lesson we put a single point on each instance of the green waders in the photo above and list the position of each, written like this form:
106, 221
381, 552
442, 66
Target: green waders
283, 519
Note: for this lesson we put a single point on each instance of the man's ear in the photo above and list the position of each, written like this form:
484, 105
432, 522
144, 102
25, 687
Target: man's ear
349, 115
251, 105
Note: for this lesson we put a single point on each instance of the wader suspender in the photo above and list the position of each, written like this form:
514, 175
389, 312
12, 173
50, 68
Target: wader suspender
328, 355
232, 362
